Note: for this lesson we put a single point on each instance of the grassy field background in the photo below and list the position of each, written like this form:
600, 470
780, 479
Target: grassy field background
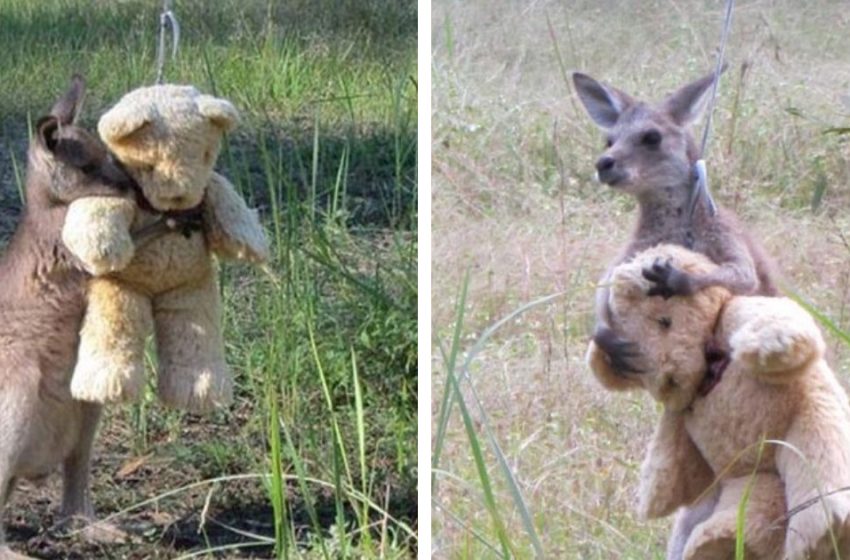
316, 456
514, 206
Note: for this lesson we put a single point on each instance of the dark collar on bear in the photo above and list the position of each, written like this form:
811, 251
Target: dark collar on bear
183, 221
717, 360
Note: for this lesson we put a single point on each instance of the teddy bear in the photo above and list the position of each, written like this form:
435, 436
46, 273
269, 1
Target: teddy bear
168, 138
745, 389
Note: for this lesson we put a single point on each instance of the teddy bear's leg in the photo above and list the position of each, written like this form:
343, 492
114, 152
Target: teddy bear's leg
687, 518
110, 361
817, 483
674, 472
193, 375
764, 528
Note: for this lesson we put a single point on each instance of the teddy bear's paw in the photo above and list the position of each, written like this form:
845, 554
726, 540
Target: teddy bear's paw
96, 231
820, 530
108, 259
197, 390
772, 350
255, 252
99, 258
113, 257
722, 548
248, 244
102, 381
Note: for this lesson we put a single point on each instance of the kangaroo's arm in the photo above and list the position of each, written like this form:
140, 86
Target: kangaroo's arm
726, 242
725, 245
617, 356
603, 311
737, 269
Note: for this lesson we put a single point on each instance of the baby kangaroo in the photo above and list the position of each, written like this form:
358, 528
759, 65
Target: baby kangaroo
42, 291
650, 154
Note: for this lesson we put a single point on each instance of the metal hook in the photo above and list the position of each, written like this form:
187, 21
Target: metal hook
165, 18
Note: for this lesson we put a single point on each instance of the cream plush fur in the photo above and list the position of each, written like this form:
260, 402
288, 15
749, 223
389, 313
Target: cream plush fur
777, 386
168, 137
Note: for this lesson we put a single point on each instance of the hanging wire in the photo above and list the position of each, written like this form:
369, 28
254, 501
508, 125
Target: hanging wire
701, 180
166, 18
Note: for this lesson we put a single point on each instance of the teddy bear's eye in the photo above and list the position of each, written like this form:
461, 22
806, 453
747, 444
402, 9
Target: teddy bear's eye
665, 322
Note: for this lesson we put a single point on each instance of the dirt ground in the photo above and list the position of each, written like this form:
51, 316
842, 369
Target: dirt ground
169, 528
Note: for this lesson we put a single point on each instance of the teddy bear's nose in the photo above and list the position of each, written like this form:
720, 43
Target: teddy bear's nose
177, 202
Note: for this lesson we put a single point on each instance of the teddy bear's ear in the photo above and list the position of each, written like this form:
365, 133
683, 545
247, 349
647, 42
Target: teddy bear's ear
219, 111
121, 123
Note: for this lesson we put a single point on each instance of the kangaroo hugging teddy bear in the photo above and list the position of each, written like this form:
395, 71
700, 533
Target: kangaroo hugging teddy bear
736, 375
168, 138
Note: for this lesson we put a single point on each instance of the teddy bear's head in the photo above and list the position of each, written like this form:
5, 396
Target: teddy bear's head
671, 333
168, 137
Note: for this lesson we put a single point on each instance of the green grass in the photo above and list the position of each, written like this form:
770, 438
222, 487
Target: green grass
323, 346
514, 206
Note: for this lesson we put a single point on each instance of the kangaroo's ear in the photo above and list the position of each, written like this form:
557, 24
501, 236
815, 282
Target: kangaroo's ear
686, 104
67, 108
604, 104
46, 132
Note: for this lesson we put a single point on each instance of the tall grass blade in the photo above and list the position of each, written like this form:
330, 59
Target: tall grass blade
481, 467
361, 433
277, 490
820, 317
301, 476
447, 399
740, 521
328, 400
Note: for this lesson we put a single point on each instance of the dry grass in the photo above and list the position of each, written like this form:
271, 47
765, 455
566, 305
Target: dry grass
514, 203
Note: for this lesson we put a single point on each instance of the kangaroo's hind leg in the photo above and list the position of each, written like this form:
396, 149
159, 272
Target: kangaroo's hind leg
76, 470
76, 498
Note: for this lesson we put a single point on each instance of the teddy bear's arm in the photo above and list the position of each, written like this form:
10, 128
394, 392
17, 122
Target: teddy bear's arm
97, 232
774, 337
674, 472
233, 230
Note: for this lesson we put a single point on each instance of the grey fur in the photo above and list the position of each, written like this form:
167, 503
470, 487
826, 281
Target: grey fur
41, 308
661, 178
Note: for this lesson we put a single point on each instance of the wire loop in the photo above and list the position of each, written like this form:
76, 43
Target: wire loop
166, 19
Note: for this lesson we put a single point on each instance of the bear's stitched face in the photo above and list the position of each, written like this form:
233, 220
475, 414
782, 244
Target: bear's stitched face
169, 138
174, 178
670, 333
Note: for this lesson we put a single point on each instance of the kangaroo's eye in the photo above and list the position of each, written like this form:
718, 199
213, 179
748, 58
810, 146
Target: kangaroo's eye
651, 138
609, 142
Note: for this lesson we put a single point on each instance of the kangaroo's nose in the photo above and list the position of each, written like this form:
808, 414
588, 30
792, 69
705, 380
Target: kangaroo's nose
604, 163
